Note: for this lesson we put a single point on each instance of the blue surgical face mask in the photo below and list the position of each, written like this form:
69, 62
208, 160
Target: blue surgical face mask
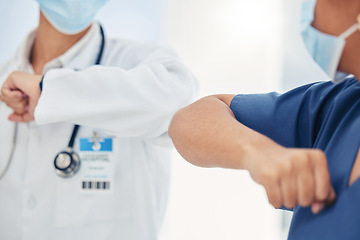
325, 49
70, 16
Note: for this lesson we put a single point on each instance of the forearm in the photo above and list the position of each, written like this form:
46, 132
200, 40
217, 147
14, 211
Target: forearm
136, 103
207, 134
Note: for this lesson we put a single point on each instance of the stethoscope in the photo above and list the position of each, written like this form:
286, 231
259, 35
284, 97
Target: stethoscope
67, 162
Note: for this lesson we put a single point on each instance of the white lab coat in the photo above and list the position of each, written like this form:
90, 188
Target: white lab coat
131, 98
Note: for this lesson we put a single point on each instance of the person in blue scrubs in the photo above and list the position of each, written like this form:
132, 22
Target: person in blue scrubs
302, 146
318, 116
306, 155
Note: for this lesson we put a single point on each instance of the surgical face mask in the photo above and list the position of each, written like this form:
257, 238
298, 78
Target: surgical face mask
70, 16
325, 49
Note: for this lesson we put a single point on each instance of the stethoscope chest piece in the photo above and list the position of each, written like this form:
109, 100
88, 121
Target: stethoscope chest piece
67, 163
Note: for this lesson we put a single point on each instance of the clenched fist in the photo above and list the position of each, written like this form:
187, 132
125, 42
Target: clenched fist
21, 92
294, 177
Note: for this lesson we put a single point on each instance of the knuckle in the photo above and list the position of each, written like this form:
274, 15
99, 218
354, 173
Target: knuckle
11, 77
13, 74
305, 200
290, 198
268, 175
19, 110
322, 194
306, 189
318, 155
290, 204
275, 202
305, 161
287, 167
273, 196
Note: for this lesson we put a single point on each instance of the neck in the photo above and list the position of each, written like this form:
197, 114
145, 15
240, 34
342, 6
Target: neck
50, 44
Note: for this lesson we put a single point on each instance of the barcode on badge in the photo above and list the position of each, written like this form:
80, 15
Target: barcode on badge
96, 185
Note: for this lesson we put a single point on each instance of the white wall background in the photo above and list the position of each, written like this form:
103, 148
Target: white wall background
232, 46
17, 18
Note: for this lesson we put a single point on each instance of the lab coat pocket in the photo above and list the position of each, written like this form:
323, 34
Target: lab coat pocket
78, 206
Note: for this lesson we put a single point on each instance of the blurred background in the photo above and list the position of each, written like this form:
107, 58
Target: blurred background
232, 46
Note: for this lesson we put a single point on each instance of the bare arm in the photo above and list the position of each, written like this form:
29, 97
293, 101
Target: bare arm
207, 134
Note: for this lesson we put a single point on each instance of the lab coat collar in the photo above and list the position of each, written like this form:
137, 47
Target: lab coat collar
83, 54
80, 56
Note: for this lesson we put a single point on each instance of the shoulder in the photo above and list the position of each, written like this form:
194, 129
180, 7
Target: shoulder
331, 92
308, 100
346, 94
350, 84
320, 93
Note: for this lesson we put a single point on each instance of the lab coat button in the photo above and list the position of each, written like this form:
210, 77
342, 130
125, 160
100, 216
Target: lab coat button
31, 202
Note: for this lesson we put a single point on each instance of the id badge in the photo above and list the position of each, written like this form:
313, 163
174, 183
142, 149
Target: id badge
96, 156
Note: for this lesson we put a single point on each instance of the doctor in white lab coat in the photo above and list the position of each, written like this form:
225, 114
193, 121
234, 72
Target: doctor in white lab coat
123, 106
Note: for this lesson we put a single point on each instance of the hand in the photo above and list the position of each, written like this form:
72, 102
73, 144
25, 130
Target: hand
21, 92
295, 177
14, 99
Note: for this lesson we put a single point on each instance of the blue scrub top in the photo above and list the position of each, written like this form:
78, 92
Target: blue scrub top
323, 116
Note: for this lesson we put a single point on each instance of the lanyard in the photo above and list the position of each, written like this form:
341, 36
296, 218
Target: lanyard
67, 163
